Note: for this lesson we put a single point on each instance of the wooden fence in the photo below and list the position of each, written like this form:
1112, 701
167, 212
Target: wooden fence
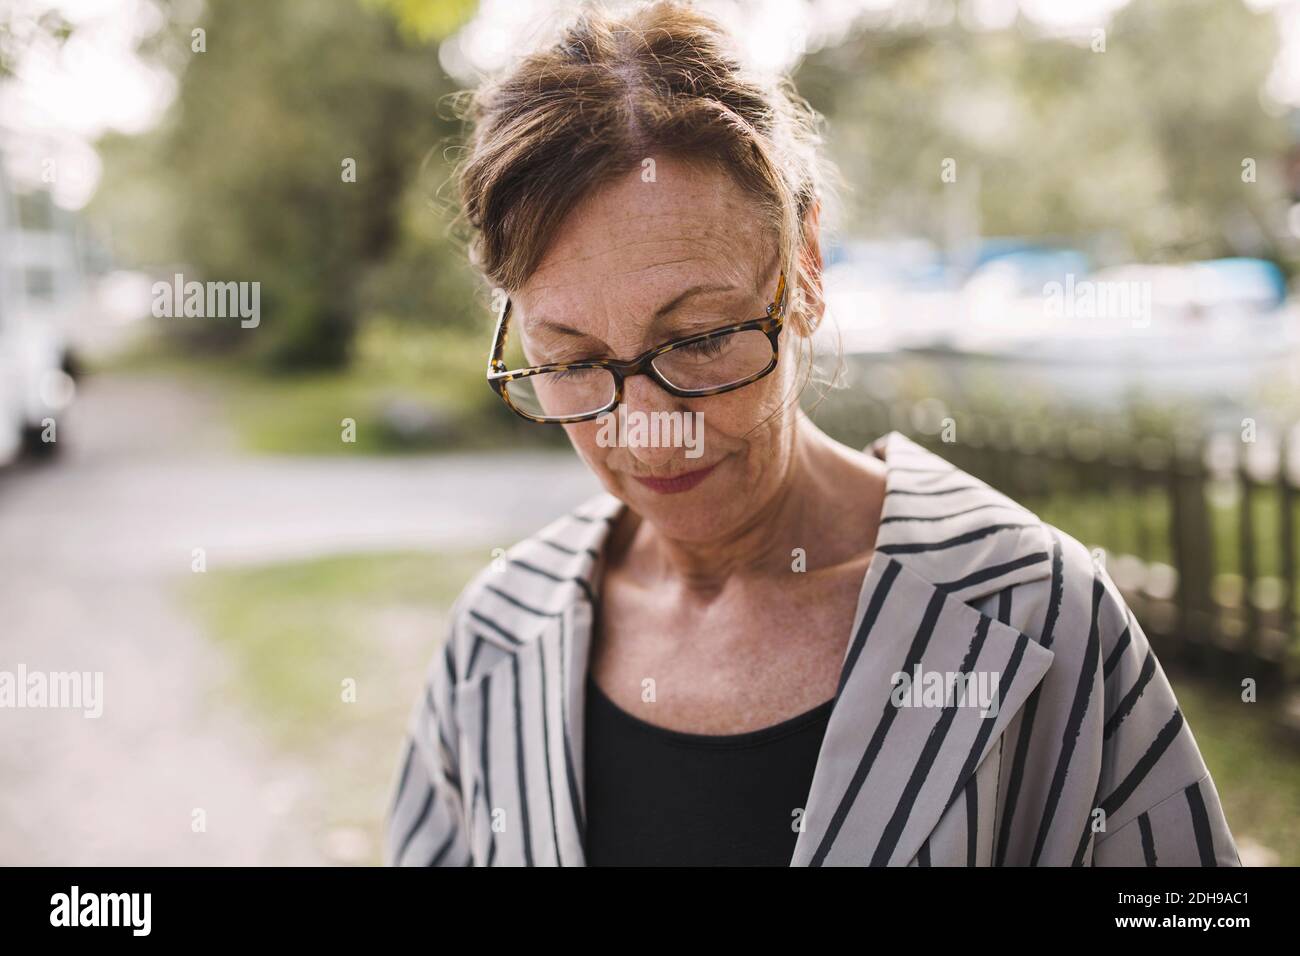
1197, 531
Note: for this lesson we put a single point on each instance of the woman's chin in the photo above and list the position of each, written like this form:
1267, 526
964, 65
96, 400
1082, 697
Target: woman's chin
701, 514
686, 525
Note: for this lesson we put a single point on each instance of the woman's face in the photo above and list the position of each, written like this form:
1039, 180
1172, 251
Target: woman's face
639, 263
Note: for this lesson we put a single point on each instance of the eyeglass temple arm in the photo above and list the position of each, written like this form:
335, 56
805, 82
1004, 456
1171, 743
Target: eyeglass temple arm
778, 303
495, 362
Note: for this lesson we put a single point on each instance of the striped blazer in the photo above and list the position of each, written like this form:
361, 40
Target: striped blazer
1085, 760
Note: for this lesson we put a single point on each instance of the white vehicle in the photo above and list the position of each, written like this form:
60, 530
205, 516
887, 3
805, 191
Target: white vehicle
41, 282
12, 412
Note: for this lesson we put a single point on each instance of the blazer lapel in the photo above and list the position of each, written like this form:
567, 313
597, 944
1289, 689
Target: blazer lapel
563, 651
887, 770
891, 763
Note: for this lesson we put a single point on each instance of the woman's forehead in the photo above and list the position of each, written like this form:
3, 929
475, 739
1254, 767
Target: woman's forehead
631, 305
627, 226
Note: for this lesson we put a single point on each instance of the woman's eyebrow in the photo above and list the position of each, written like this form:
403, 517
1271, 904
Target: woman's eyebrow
694, 290
559, 327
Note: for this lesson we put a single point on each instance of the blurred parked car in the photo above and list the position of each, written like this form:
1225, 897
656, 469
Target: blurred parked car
41, 283
1039, 315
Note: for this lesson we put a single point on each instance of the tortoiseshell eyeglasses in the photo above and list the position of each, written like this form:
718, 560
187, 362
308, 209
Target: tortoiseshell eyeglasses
707, 363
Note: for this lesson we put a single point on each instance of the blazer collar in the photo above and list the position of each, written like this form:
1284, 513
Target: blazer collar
953, 530
885, 774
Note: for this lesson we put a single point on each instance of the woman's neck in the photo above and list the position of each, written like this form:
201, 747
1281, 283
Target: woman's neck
809, 511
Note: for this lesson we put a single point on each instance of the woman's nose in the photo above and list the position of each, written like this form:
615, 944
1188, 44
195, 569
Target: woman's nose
649, 412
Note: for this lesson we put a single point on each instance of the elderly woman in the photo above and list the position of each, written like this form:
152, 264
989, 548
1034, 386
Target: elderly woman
760, 647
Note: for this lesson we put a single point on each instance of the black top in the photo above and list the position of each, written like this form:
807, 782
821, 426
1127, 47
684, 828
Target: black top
658, 797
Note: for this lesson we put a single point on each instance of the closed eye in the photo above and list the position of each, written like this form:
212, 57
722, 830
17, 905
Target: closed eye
566, 374
705, 348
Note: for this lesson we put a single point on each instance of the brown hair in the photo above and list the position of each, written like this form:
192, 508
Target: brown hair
613, 90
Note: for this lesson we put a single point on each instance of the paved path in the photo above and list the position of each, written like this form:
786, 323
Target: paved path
89, 546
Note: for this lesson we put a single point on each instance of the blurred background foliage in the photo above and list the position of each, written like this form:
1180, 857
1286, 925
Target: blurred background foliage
1138, 150
1141, 144
244, 178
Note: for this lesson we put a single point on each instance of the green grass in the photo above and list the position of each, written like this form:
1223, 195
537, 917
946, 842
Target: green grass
429, 379
294, 632
1256, 770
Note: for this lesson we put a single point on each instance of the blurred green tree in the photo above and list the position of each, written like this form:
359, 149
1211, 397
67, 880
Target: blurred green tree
250, 177
428, 20
1140, 143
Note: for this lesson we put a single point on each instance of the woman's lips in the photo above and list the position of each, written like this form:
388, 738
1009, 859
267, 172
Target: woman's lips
673, 486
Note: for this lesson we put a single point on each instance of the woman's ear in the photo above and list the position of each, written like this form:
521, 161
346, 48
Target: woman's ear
807, 304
